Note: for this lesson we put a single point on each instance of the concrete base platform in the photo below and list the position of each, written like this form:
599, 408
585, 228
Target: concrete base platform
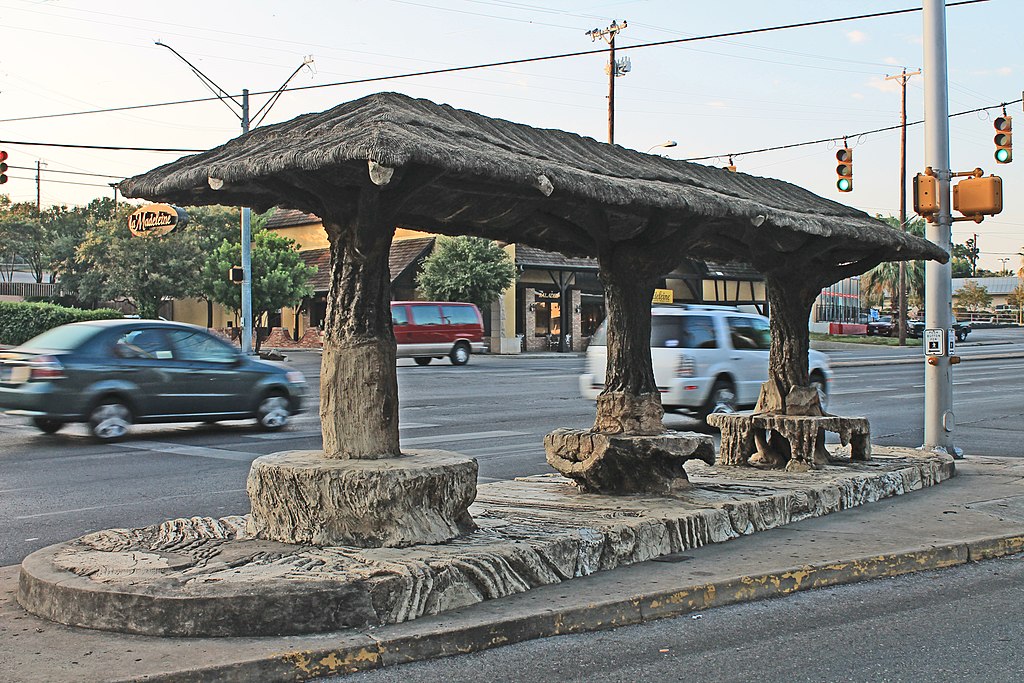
203, 577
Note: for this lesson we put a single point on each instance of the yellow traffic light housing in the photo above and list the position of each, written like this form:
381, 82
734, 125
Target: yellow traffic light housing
1003, 139
844, 169
978, 197
926, 196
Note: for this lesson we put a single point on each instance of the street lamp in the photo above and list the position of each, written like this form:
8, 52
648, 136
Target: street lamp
1002, 271
667, 143
242, 105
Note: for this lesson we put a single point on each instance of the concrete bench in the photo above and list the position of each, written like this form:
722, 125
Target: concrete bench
747, 434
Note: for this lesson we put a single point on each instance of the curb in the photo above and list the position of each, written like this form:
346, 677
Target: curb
919, 359
474, 633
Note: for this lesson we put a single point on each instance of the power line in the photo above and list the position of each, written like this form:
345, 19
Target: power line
109, 147
508, 62
60, 182
841, 137
97, 175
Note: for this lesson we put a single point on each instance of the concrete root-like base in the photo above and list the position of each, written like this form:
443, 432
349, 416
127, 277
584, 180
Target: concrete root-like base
207, 577
303, 497
627, 463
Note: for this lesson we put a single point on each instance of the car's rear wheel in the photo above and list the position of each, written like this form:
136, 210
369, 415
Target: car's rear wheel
460, 354
47, 425
722, 398
110, 420
421, 360
273, 412
819, 383
961, 335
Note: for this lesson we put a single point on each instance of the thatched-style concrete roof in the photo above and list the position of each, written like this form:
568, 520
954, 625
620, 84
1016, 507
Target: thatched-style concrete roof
458, 172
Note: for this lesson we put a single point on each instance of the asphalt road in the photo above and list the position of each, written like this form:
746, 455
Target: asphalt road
958, 624
496, 409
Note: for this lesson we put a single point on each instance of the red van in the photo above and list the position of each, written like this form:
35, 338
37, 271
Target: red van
435, 329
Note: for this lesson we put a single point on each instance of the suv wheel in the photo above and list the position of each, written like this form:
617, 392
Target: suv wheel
722, 398
819, 383
110, 420
460, 354
273, 412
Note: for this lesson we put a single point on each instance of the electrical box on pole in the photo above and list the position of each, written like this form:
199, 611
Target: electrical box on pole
236, 274
926, 195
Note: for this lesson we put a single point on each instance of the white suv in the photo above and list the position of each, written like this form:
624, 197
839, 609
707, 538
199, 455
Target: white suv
706, 359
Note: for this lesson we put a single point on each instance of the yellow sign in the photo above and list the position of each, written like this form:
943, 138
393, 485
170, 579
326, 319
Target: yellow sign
662, 296
156, 220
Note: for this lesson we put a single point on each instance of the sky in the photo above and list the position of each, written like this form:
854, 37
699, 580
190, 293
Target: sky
713, 97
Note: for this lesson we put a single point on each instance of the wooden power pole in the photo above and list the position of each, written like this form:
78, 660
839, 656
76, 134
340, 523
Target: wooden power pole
614, 68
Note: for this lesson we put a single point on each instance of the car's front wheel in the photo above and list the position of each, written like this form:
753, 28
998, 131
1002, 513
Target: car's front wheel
722, 398
961, 335
273, 412
422, 360
819, 383
110, 420
47, 425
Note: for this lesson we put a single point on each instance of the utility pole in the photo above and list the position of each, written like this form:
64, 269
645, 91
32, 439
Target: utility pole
615, 68
939, 421
903, 78
974, 255
39, 192
246, 217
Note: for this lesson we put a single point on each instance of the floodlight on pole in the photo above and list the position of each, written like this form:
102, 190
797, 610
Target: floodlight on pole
246, 223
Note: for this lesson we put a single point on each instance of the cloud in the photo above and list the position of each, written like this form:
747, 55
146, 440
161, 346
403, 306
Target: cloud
883, 85
1004, 71
857, 95
856, 37
893, 61
717, 104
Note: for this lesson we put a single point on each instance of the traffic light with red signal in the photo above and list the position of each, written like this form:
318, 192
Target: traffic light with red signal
3, 167
1003, 139
844, 169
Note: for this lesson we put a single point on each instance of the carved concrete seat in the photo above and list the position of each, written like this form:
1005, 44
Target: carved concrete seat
754, 434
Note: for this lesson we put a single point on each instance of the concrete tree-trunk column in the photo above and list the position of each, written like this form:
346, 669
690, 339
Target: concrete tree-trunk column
358, 379
789, 304
630, 402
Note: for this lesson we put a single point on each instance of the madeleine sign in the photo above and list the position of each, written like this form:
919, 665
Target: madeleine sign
156, 220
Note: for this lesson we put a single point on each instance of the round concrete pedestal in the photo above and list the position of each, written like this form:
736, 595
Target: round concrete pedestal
303, 497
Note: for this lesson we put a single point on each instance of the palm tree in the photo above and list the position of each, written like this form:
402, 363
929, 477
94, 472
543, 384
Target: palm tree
884, 279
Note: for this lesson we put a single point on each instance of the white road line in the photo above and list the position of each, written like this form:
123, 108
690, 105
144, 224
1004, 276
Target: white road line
194, 451
471, 436
54, 513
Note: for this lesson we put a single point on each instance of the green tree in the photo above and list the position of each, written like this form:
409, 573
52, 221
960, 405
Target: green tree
883, 280
113, 263
973, 297
967, 252
471, 269
1016, 297
20, 235
280, 277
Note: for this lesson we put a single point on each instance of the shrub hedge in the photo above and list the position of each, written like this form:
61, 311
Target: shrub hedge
20, 321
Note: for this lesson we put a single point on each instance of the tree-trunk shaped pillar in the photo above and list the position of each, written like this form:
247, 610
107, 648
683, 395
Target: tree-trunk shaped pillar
628, 450
788, 426
361, 489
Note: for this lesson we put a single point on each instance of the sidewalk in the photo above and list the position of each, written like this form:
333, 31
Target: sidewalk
978, 514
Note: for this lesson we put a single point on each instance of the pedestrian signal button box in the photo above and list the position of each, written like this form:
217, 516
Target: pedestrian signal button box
926, 197
979, 196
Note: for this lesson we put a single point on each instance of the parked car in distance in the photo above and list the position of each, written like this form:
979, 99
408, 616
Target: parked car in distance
885, 326
706, 359
915, 329
113, 373
425, 330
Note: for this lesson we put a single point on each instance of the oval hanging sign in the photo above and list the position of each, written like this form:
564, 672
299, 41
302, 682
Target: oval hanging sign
156, 220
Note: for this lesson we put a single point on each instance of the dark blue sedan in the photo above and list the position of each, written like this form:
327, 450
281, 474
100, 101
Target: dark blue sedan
113, 373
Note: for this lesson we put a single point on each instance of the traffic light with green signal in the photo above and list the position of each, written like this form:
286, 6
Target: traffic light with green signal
844, 169
1003, 139
3, 167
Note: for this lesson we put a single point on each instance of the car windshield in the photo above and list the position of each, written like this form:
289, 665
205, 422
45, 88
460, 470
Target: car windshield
64, 338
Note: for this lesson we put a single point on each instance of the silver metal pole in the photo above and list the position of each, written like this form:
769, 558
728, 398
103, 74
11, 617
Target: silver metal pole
939, 422
247, 324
